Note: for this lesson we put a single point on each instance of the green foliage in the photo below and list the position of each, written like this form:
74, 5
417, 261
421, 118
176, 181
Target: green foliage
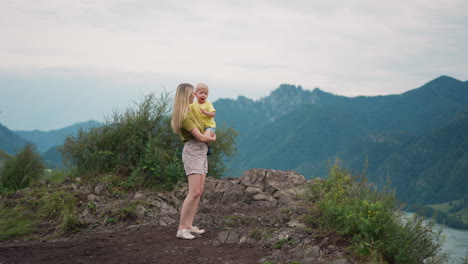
370, 219
55, 175
281, 243
126, 212
23, 169
35, 206
222, 150
16, 222
139, 145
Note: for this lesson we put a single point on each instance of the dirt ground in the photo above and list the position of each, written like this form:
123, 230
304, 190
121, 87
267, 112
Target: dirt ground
145, 245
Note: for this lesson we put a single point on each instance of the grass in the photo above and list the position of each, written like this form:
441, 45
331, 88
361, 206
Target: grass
369, 218
15, 222
20, 216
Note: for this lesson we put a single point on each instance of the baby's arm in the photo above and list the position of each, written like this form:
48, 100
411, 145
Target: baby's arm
210, 114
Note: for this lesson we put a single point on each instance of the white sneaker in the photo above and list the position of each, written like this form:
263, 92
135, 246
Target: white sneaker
184, 234
197, 231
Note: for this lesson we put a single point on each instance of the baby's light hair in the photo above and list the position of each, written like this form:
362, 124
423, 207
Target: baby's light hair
201, 86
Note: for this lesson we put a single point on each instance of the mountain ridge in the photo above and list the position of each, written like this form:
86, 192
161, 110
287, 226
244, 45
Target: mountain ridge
320, 125
46, 140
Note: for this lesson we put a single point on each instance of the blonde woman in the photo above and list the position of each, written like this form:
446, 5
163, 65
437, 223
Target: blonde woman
190, 128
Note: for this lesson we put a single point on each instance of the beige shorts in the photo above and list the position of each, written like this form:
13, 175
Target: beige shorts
194, 157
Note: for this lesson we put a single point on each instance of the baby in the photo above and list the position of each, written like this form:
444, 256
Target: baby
205, 110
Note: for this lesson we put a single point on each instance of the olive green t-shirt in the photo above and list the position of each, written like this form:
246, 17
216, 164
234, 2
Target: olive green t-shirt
189, 123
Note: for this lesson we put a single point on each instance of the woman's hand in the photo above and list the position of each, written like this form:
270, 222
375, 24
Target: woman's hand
201, 137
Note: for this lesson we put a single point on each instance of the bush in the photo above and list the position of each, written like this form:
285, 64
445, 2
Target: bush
371, 220
23, 169
139, 145
224, 148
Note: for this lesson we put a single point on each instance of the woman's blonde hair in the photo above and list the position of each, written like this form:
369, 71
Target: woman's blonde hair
180, 107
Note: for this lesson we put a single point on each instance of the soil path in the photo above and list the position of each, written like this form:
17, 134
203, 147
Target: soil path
146, 245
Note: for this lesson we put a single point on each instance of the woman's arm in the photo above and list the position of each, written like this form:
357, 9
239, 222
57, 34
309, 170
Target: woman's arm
201, 137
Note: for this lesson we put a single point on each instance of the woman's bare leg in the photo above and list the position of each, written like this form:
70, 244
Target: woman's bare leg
192, 216
190, 205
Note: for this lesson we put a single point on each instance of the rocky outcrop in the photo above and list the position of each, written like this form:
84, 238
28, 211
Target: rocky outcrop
256, 188
262, 208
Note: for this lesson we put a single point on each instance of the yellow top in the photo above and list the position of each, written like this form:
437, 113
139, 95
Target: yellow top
208, 121
190, 122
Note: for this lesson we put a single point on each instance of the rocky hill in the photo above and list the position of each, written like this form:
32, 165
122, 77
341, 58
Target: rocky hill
256, 218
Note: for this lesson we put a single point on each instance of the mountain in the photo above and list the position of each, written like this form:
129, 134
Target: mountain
53, 157
45, 140
437, 164
302, 130
9, 141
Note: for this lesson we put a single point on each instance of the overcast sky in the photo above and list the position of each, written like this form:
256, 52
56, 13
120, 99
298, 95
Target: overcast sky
67, 61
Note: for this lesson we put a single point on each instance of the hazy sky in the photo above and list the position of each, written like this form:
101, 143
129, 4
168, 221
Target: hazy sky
64, 61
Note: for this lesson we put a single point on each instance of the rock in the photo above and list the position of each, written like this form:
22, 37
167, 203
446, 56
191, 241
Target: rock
223, 236
254, 178
99, 188
139, 195
228, 237
166, 208
233, 194
251, 191
78, 179
140, 211
93, 198
260, 197
233, 238
314, 251
295, 223
166, 221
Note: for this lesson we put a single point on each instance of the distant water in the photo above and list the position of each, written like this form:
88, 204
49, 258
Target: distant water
456, 242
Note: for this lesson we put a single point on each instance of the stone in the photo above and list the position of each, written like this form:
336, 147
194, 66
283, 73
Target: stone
295, 223
251, 191
233, 238
139, 195
167, 208
140, 211
223, 236
98, 188
260, 197
228, 237
92, 197
314, 251
282, 180
254, 178
233, 193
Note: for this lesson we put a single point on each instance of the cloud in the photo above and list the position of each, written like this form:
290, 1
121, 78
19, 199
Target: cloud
348, 47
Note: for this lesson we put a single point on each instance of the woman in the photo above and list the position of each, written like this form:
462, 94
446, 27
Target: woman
190, 128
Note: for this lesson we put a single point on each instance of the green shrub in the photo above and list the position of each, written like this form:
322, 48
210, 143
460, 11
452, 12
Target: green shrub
23, 169
371, 220
139, 144
223, 149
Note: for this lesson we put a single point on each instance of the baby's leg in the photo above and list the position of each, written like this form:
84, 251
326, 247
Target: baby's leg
210, 133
